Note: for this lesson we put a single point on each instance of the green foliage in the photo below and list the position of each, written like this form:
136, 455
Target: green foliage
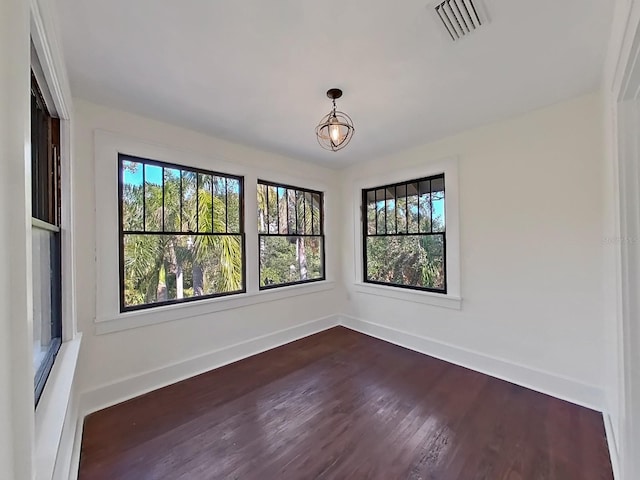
180, 265
413, 257
292, 258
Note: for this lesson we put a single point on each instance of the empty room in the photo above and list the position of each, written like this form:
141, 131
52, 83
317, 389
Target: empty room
320, 240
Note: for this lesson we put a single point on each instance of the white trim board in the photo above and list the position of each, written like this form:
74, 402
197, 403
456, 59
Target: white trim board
612, 445
134, 386
556, 386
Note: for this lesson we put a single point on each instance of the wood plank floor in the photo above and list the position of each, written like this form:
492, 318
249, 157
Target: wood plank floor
342, 405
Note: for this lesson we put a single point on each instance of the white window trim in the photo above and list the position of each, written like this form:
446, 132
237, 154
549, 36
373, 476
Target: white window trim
57, 395
453, 298
109, 319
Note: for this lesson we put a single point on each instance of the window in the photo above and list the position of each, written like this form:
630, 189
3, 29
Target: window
46, 252
181, 234
404, 236
291, 235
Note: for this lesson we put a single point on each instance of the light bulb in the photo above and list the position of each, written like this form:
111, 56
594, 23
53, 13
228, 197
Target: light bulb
334, 131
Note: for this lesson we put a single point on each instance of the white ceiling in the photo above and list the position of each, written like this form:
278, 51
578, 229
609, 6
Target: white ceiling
256, 71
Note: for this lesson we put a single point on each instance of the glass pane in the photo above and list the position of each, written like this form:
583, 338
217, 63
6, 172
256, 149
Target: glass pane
290, 259
132, 200
309, 214
380, 212
205, 205
317, 214
233, 204
47, 326
189, 201
262, 208
304, 213
171, 200
219, 204
273, 209
153, 198
425, 207
401, 208
437, 199
293, 211
371, 218
412, 207
391, 210
301, 212
416, 260
283, 222
160, 268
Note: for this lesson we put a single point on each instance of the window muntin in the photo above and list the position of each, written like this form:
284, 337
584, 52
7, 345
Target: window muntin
404, 234
46, 246
181, 233
290, 235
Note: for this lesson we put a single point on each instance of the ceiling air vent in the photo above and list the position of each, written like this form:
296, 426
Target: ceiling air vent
460, 17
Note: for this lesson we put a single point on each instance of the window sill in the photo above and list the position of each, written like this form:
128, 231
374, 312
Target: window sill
168, 313
416, 296
53, 405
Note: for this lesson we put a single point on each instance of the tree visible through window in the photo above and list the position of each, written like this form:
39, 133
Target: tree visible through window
181, 233
291, 235
404, 235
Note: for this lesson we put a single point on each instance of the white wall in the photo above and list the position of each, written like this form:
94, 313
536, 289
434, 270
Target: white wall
110, 358
531, 219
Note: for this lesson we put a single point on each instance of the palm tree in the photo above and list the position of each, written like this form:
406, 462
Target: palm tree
215, 260
290, 212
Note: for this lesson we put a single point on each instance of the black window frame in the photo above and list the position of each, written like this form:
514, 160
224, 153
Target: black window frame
365, 232
320, 194
124, 157
46, 208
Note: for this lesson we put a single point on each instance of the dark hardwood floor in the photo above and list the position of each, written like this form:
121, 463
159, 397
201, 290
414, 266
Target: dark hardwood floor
341, 405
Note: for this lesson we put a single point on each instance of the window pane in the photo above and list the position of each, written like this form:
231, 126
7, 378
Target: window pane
189, 202
205, 204
293, 211
172, 220
290, 259
438, 199
160, 268
273, 209
425, 207
233, 205
262, 208
412, 207
219, 204
153, 198
304, 213
282, 210
317, 214
371, 215
309, 214
132, 201
414, 260
391, 210
381, 221
401, 208
46, 301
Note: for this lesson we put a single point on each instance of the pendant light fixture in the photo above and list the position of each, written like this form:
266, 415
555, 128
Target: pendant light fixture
336, 128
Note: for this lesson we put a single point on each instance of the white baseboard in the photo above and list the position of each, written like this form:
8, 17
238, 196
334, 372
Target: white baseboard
613, 445
74, 463
134, 386
550, 384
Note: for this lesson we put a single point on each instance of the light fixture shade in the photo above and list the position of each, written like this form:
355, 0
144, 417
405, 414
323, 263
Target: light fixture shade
335, 130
